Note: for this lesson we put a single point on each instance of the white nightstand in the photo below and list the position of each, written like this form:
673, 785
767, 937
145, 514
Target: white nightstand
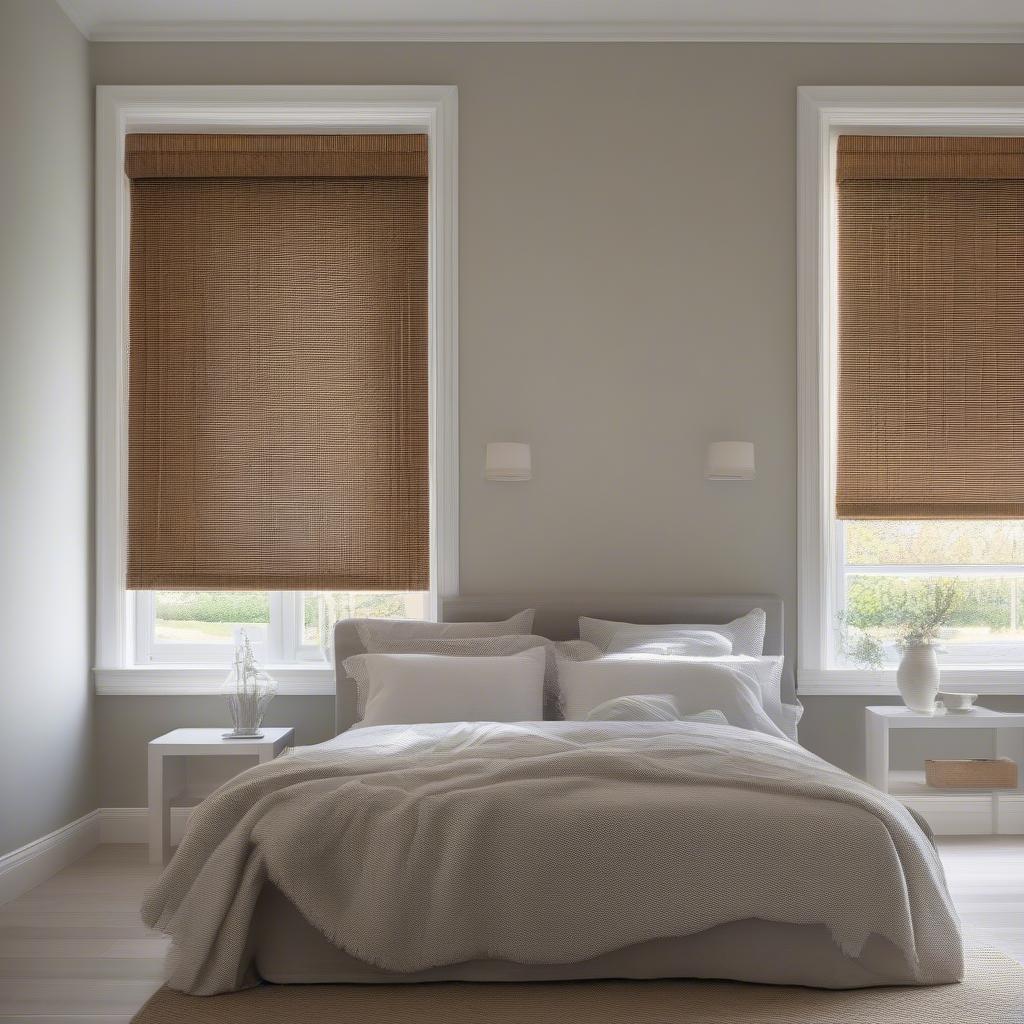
167, 755
949, 811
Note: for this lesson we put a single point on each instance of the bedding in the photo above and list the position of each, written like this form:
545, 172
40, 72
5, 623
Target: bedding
643, 707
745, 634
404, 689
477, 647
650, 707
695, 684
518, 844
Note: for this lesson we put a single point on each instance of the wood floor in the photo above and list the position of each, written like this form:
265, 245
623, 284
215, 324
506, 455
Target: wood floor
73, 949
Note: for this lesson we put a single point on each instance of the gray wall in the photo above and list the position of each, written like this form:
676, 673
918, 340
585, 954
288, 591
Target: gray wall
627, 294
46, 757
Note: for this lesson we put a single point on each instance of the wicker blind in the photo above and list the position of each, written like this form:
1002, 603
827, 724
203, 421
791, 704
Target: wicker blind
277, 407
931, 328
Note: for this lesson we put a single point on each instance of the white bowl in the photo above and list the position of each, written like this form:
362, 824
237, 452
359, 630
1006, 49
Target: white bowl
958, 701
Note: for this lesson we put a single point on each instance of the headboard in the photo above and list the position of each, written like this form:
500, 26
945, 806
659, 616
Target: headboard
557, 616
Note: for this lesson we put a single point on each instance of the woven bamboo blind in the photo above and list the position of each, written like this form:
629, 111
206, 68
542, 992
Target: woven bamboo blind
931, 328
277, 406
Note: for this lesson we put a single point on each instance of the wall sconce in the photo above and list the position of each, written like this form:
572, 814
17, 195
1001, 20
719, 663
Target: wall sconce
730, 460
507, 460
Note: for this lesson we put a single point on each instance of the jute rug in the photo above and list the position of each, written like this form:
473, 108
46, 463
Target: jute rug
992, 993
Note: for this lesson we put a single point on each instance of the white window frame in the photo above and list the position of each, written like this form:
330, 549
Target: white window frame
822, 113
281, 643
429, 109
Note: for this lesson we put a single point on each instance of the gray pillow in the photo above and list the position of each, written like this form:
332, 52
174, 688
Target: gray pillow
373, 632
475, 647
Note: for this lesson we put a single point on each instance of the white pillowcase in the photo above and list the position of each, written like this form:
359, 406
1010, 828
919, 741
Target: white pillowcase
695, 684
408, 689
745, 634
767, 671
374, 631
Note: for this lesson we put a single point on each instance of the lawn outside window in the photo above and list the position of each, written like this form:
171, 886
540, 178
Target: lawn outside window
285, 627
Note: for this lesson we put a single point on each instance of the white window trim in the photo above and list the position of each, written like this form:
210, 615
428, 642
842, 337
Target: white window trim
821, 113
432, 109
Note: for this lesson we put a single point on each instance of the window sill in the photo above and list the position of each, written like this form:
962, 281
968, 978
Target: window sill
196, 680
861, 683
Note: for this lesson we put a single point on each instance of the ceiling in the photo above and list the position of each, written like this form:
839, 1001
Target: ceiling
568, 20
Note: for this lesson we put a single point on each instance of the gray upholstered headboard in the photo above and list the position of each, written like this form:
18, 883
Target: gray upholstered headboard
557, 616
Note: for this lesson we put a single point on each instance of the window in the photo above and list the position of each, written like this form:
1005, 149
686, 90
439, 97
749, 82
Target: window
911, 265
202, 626
277, 385
284, 585
888, 565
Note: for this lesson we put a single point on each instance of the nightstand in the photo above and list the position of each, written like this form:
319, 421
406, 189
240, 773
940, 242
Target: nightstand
167, 756
949, 811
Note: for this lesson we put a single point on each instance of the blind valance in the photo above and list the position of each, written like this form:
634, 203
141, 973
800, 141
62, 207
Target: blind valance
928, 158
154, 155
278, 394
930, 395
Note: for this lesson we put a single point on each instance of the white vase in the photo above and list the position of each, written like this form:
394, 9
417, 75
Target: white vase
917, 678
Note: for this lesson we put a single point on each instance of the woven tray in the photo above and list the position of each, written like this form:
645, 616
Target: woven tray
977, 773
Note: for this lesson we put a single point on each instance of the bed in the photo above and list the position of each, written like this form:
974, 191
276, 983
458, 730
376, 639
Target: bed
814, 914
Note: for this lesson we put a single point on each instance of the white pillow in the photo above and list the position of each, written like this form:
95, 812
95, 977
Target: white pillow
374, 631
476, 647
697, 643
407, 689
695, 684
745, 634
767, 671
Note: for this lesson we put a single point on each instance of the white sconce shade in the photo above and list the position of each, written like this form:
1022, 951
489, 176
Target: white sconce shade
507, 460
730, 460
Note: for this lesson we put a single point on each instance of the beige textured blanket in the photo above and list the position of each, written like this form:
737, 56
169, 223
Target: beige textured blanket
417, 846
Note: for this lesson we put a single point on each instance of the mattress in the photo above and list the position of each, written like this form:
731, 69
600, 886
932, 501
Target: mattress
287, 949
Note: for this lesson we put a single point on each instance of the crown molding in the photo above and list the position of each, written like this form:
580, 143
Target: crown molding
680, 31
76, 16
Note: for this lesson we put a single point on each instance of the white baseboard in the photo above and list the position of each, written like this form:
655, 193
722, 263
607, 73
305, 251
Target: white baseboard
131, 824
35, 862
1009, 814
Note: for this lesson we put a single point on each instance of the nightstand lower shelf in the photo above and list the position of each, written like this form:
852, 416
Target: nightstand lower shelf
960, 811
